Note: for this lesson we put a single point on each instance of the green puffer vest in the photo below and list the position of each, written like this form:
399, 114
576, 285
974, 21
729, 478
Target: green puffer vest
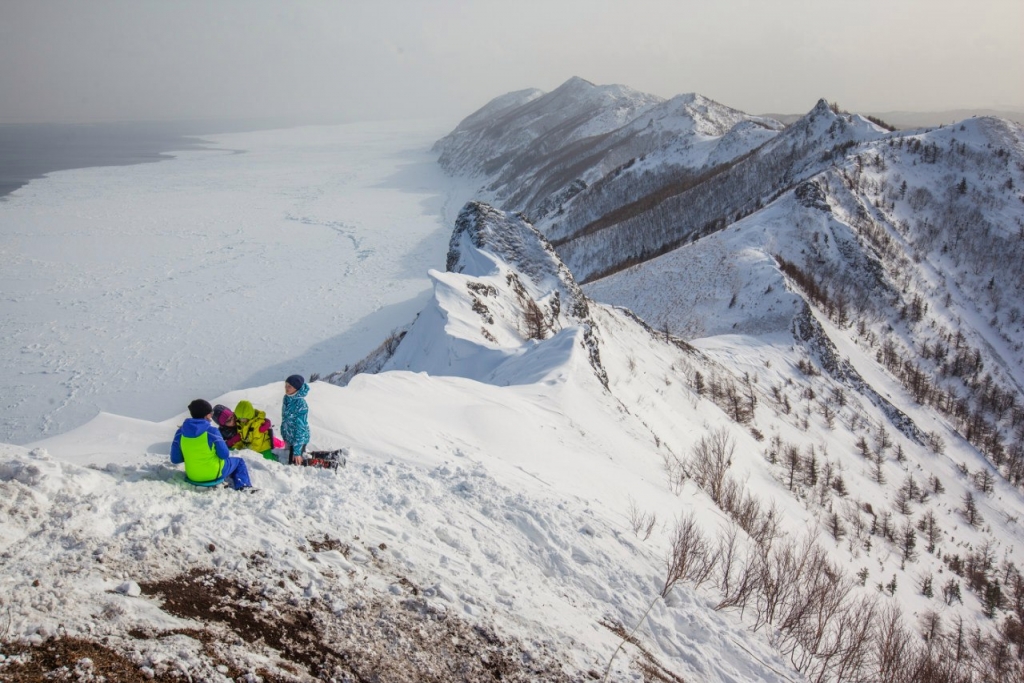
201, 461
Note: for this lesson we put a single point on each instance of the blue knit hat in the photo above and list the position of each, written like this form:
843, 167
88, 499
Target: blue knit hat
296, 381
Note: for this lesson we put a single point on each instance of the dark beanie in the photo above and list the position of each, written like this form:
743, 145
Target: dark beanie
199, 408
296, 381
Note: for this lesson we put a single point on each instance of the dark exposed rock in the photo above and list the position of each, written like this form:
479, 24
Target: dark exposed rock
810, 195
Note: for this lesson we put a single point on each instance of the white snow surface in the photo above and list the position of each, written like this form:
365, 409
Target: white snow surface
135, 289
505, 501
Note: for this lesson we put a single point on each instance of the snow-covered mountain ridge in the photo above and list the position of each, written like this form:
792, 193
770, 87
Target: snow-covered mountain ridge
854, 456
887, 263
519, 290
864, 188
538, 156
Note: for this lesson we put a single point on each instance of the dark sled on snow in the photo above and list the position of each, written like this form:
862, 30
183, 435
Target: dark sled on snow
330, 460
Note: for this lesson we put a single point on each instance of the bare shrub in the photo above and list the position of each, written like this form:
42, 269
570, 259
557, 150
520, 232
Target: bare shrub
806, 627
641, 522
710, 460
691, 557
935, 443
894, 648
844, 652
819, 623
7, 625
765, 526
676, 471
780, 567
391, 342
737, 577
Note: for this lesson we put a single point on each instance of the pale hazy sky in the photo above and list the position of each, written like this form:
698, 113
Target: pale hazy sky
89, 60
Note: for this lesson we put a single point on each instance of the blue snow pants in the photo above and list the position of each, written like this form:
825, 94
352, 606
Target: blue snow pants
239, 473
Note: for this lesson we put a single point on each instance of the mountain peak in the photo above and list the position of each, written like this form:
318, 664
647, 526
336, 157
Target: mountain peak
575, 83
484, 236
821, 107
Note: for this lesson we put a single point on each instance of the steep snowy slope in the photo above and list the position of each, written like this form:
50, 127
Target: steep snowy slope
907, 527
896, 273
624, 229
499, 136
675, 140
669, 172
912, 243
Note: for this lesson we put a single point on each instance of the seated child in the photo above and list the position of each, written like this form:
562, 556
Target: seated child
225, 420
255, 429
199, 445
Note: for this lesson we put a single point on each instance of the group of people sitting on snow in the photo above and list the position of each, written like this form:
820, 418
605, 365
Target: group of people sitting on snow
204, 447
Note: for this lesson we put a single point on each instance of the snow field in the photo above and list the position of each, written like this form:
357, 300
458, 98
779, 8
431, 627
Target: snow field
501, 506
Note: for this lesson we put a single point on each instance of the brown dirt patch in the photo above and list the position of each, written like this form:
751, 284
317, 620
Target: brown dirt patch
68, 659
383, 640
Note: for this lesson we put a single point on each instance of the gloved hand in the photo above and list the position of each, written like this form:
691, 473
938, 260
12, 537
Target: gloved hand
265, 426
231, 442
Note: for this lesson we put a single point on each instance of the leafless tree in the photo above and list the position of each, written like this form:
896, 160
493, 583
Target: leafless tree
895, 654
710, 460
690, 558
984, 480
792, 461
835, 526
676, 471
882, 439
908, 541
641, 522
930, 527
829, 414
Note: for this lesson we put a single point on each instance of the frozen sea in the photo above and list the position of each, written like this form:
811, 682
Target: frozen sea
134, 289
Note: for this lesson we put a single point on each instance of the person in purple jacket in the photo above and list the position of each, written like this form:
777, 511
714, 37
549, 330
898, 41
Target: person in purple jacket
199, 445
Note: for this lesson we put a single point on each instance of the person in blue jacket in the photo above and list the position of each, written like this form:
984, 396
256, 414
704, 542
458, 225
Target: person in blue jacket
294, 419
199, 445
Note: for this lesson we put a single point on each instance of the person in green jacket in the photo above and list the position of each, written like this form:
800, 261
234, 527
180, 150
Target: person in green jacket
255, 429
199, 445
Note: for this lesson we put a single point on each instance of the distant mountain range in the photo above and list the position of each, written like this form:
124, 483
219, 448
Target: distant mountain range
923, 119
